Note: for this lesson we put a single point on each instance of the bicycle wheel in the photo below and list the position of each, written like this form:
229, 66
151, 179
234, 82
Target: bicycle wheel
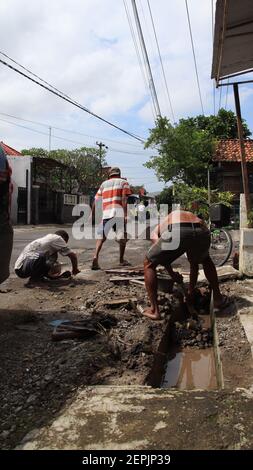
221, 246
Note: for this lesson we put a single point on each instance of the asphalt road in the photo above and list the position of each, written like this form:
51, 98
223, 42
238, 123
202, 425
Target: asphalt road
84, 248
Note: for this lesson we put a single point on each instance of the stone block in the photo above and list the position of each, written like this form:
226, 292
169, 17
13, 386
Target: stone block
246, 252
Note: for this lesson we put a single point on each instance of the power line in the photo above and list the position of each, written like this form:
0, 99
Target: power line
66, 130
69, 100
194, 56
69, 140
161, 62
138, 54
146, 61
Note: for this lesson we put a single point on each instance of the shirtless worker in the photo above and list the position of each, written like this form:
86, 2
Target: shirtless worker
193, 239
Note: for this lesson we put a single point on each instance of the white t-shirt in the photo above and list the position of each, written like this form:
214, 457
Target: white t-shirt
47, 245
141, 208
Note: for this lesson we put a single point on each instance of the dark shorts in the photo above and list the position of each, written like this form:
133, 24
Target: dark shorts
192, 239
6, 242
36, 268
115, 224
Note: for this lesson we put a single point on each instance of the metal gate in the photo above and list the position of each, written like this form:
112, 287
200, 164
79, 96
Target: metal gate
22, 206
47, 205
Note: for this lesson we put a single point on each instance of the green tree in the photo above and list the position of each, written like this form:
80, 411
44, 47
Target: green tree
184, 151
221, 126
83, 167
187, 195
165, 197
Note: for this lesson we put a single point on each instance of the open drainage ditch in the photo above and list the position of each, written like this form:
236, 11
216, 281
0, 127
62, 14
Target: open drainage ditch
188, 356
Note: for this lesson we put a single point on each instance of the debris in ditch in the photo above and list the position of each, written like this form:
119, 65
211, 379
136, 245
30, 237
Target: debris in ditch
192, 333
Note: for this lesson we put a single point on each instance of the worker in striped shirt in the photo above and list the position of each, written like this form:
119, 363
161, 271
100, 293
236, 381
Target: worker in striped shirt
114, 193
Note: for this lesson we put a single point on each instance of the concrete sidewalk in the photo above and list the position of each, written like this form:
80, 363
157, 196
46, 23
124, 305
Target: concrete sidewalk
144, 418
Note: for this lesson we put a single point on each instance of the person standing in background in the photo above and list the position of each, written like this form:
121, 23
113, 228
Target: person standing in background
114, 193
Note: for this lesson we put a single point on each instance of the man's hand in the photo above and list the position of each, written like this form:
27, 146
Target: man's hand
177, 277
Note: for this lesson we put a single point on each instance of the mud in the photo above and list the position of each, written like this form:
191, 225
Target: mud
39, 376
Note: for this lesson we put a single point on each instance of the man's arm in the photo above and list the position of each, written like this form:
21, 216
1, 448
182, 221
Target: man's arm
175, 276
73, 258
93, 207
155, 235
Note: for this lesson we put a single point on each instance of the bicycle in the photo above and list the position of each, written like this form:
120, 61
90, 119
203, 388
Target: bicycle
221, 240
221, 245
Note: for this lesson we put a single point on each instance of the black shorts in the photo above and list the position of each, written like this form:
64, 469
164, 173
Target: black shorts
36, 268
192, 239
117, 224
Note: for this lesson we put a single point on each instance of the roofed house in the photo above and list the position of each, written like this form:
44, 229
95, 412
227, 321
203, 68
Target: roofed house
39, 189
227, 174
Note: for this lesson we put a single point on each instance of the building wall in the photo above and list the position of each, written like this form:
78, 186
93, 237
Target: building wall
230, 179
20, 166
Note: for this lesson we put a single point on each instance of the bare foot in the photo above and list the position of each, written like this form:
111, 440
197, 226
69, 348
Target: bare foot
151, 314
125, 263
224, 303
95, 266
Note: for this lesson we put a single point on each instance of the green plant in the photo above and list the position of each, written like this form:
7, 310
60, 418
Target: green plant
250, 219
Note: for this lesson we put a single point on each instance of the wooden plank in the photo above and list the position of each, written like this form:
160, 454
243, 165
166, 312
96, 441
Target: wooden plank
135, 281
125, 278
124, 271
119, 302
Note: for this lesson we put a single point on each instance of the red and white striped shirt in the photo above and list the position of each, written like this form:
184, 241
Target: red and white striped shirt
113, 193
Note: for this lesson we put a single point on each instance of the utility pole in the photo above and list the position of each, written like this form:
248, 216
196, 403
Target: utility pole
245, 179
146, 59
49, 143
101, 145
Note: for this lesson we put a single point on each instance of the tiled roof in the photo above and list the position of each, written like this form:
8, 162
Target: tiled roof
229, 151
9, 150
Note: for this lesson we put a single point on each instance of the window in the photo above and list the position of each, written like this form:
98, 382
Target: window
84, 199
70, 199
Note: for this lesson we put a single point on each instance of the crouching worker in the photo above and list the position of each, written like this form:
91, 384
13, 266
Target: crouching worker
181, 232
38, 260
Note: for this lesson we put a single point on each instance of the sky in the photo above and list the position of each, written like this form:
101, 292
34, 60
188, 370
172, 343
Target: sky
85, 49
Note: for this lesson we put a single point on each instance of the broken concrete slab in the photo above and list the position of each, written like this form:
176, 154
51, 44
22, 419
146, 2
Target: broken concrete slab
224, 273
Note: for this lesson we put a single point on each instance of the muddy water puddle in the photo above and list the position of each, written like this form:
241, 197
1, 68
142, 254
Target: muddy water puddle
190, 369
